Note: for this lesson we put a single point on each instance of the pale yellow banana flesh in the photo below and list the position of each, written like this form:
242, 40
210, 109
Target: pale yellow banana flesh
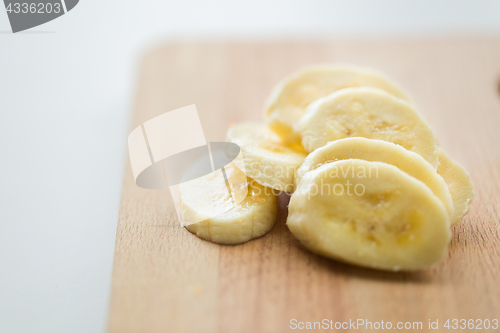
379, 151
251, 218
395, 223
370, 113
290, 97
400, 192
267, 160
459, 184
205, 197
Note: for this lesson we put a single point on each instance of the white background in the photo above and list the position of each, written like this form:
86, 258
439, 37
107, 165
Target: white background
66, 89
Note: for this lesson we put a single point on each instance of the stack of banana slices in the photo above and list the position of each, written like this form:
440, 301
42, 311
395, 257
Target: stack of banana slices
369, 185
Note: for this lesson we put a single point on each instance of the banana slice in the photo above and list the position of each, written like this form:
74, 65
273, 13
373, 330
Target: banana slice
267, 160
379, 151
251, 218
370, 214
459, 183
370, 113
292, 95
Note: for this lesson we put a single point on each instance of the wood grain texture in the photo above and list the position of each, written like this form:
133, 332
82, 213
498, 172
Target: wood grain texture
167, 280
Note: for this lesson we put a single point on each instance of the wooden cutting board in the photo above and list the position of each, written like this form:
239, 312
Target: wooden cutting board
167, 280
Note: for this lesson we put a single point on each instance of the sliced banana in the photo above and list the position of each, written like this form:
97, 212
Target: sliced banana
459, 183
251, 218
379, 151
370, 113
292, 95
385, 219
267, 160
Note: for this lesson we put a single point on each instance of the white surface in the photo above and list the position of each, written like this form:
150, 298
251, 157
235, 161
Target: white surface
65, 100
